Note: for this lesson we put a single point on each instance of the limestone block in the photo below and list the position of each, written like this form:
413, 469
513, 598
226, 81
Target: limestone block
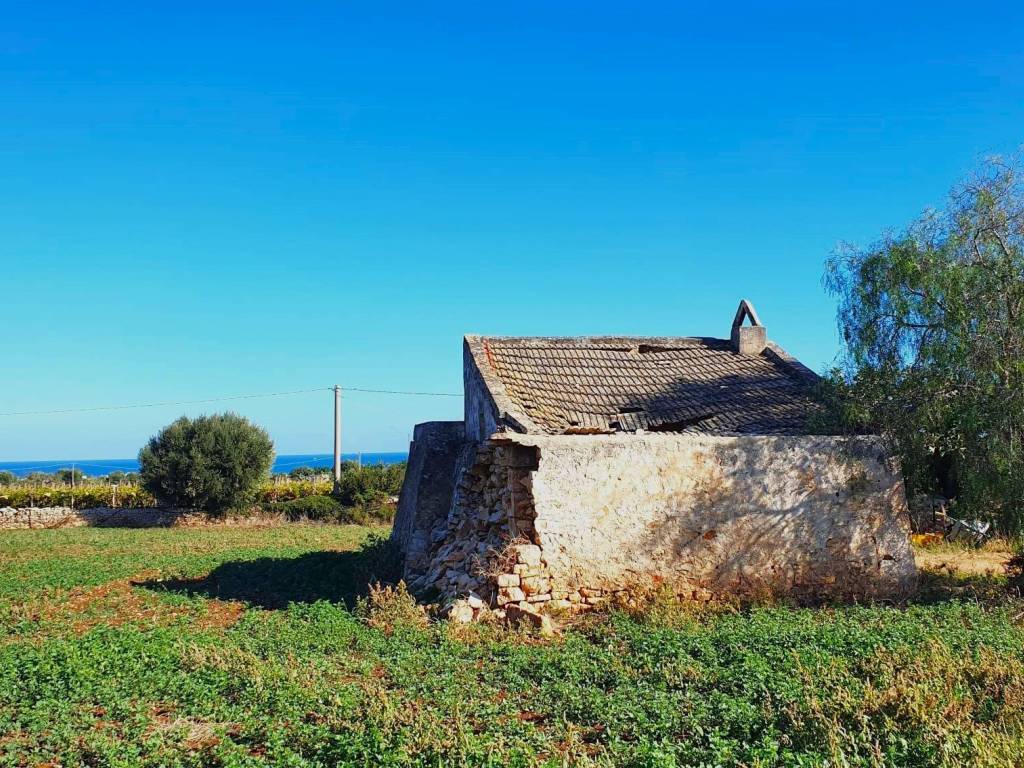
518, 615
523, 570
533, 585
460, 612
527, 554
510, 595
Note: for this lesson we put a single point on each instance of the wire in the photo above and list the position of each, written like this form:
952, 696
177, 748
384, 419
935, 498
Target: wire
224, 399
397, 392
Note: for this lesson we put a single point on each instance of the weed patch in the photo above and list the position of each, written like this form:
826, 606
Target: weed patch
269, 646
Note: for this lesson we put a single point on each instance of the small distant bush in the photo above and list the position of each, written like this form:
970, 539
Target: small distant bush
116, 476
212, 463
325, 508
306, 473
7, 478
69, 476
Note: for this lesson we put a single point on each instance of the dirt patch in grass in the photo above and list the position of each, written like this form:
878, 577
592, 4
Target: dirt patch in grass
220, 614
120, 602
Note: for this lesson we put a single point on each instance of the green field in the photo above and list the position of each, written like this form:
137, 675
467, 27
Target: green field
234, 646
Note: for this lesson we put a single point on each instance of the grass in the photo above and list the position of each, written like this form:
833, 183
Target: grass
252, 647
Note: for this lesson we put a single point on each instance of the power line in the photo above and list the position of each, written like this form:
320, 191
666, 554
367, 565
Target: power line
225, 399
400, 392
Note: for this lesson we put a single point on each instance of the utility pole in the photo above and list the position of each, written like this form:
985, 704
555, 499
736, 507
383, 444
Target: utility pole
337, 436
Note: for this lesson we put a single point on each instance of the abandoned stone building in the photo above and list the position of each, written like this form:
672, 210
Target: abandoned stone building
587, 466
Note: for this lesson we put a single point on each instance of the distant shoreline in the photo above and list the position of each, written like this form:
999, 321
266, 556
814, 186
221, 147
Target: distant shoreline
282, 464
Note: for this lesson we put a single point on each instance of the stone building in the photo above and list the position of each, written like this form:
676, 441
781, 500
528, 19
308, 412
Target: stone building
586, 466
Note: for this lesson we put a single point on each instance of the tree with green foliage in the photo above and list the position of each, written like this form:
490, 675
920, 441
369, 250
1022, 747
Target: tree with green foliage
932, 319
212, 463
117, 476
7, 478
70, 476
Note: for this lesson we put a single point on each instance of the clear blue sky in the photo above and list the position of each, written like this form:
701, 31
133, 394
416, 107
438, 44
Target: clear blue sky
200, 199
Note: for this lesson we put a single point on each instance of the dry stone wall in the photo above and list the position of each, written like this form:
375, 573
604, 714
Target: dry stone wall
491, 514
12, 518
566, 522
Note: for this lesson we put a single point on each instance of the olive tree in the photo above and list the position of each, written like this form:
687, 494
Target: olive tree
932, 320
212, 463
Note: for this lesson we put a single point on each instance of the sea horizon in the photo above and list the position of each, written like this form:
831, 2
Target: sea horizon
282, 464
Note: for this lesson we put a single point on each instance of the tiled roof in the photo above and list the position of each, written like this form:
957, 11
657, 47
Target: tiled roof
597, 385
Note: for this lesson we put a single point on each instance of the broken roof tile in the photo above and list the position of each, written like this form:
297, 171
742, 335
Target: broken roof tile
679, 384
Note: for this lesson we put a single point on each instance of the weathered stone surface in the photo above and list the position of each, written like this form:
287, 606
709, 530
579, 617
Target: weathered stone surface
814, 516
460, 612
527, 554
819, 515
104, 517
427, 491
510, 595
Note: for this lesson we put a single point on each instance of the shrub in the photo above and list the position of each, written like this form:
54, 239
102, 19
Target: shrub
213, 463
307, 473
117, 476
7, 478
390, 608
324, 508
368, 486
70, 476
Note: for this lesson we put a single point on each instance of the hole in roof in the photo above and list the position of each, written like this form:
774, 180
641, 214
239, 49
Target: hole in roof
647, 349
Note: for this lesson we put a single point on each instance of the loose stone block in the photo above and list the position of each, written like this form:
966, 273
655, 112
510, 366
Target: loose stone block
527, 554
510, 595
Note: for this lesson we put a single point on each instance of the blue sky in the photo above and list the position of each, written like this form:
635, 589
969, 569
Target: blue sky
207, 199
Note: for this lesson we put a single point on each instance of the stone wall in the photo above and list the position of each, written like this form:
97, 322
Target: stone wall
12, 518
491, 513
479, 409
807, 516
435, 458
565, 521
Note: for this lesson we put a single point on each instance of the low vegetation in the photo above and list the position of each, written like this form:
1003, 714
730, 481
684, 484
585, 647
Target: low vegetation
267, 646
367, 494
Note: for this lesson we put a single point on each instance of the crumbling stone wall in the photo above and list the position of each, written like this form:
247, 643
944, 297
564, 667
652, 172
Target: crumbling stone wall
491, 514
436, 458
567, 521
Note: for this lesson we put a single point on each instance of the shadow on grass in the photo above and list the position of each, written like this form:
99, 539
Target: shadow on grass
939, 585
272, 583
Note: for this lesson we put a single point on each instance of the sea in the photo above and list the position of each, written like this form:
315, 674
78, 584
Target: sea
284, 463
